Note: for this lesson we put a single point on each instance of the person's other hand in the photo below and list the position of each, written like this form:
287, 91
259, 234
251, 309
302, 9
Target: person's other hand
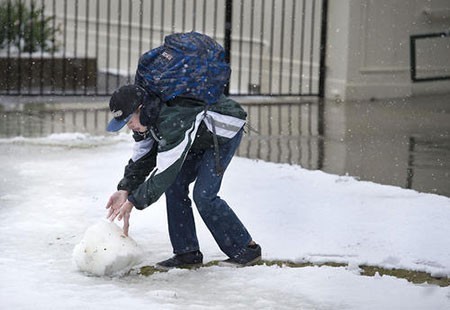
115, 202
124, 214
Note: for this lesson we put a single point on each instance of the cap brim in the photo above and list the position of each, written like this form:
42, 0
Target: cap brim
116, 125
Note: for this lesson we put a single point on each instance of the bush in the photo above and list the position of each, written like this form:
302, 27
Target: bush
26, 28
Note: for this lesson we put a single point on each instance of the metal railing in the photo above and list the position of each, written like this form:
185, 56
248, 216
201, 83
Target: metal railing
90, 47
285, 133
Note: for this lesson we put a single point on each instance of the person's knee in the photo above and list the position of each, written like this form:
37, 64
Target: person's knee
200, 196
202, 199
177, 191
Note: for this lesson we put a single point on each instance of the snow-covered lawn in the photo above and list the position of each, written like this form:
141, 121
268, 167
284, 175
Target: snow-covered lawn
52, 189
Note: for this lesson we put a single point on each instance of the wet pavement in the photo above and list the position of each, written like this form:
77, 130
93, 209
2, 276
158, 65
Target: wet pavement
401, 142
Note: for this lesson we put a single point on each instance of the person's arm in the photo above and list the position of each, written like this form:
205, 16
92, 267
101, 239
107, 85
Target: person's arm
170, 159
142, 162
139, 166
152, 189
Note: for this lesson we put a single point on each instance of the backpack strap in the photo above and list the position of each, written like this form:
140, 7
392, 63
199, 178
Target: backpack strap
219, 168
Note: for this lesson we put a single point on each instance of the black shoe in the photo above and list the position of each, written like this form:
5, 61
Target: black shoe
186, 260
248, 256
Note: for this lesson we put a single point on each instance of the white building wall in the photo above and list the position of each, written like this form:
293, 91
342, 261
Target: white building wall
368, 51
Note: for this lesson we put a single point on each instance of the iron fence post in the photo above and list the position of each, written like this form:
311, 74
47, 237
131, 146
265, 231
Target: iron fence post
227, 40
323, 51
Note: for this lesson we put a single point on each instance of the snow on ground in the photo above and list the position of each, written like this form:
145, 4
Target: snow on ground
53, 189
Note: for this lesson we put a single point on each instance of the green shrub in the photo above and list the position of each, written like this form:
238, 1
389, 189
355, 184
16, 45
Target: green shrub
26, 27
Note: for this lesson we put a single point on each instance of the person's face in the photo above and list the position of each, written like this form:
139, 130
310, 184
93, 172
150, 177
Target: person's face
134, 123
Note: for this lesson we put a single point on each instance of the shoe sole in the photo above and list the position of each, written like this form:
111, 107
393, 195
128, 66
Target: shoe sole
250, 263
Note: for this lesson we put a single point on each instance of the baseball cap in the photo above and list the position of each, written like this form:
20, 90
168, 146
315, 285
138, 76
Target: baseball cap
123, 103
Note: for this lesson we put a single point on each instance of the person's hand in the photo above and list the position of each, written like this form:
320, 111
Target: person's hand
124, 214
115, 202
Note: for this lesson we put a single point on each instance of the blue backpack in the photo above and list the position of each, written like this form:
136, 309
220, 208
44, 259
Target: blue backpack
188, 64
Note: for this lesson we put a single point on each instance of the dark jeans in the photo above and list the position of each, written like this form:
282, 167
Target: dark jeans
226, 228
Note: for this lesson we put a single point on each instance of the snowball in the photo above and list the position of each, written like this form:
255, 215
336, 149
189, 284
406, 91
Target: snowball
105, 250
